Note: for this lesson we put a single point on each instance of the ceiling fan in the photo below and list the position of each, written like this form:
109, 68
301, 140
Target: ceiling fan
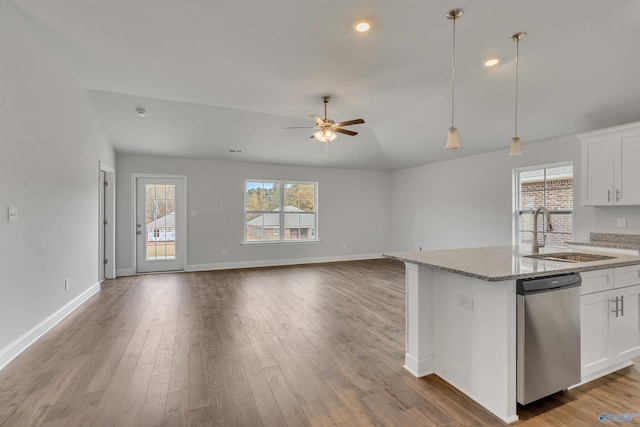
326, 128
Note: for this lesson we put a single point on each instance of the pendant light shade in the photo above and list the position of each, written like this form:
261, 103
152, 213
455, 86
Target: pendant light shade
515, 149
453, 139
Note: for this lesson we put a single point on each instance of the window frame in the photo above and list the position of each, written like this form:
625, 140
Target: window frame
279, 232
516, 199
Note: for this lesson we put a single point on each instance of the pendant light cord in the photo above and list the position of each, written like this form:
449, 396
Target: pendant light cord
517, 60
453, 69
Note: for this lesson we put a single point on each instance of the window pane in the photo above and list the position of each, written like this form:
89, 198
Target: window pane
271, 225
253, 228
273, 211
299, 226
262, 227
551, 188
271, 204
253, 196
526, 221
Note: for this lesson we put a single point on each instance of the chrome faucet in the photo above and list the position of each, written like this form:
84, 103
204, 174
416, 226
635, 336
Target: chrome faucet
535, 246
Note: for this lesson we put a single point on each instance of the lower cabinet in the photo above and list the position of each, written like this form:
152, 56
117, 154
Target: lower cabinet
610, 329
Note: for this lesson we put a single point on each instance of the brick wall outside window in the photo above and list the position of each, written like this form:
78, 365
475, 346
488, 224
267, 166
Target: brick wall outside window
558, 198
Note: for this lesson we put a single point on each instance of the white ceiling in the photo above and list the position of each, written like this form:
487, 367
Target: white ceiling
230, 74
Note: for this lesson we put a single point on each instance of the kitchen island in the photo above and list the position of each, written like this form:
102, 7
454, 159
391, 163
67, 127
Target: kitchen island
461, 316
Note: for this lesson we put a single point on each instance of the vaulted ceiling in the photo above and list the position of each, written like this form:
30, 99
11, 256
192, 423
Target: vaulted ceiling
223, 75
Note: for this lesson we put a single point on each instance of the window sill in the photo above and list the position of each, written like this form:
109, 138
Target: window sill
280, 242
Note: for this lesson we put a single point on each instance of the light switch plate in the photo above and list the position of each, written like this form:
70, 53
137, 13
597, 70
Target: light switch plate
622, 222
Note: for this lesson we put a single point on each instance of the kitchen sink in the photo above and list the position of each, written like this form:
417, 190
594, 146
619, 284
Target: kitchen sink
570, 257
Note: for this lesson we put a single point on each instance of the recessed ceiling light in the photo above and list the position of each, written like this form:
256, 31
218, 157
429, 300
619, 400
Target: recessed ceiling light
141, 112
491, 62
362, 25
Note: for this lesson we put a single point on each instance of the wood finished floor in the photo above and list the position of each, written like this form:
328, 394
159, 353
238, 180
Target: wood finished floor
284, 346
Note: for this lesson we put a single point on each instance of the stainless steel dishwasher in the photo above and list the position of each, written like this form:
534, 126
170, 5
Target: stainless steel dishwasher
548, 335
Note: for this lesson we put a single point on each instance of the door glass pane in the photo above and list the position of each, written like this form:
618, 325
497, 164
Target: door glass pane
160, 222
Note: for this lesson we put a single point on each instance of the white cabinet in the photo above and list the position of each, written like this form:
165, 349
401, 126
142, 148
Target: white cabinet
610, 320
626, 333
595, 336
611, 166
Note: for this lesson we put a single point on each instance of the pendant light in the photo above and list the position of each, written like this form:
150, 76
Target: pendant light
515, 149
453, 139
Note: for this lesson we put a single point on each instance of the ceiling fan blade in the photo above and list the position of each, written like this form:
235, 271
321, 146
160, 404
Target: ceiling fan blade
318, 120
350, 122
345, 131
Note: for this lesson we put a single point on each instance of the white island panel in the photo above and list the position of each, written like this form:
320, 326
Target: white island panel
475, 345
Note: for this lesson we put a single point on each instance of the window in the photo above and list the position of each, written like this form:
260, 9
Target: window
277, 211
550, 186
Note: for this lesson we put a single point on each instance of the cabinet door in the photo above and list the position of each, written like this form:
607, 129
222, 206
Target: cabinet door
628, 171
626, 326
598, 162
595, 333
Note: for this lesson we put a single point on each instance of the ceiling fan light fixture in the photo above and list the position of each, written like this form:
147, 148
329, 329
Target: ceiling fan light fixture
453, 139
325, 135
362, 25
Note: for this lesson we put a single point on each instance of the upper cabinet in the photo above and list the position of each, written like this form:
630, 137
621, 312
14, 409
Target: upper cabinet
611, 166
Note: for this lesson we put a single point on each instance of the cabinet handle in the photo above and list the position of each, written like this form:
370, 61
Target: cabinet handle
622, 305
616, 311
608, 195
617, 195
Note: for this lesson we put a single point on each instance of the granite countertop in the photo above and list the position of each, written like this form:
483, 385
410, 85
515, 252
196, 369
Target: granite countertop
495, 264
611, 240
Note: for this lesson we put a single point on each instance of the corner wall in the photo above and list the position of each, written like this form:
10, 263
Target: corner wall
467, 202
353, 210
50, 146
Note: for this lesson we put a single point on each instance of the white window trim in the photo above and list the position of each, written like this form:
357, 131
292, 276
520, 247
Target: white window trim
515, 195
281, 240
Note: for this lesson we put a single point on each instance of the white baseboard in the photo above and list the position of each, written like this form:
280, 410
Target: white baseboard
419, 368
11, 351
125, 272
278, 262
602, 373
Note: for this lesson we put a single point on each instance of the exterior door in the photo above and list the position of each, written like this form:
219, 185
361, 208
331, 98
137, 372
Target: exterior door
160, 231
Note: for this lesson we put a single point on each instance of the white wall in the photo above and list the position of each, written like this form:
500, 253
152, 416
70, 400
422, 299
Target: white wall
50, 147
467, 202
354, 208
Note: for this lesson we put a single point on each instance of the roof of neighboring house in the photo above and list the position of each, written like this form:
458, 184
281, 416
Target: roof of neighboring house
166, 221
290, 221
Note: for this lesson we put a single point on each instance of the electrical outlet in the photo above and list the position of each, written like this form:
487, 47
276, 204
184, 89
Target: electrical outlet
66, 284
465, 302
13, 214
344, 246
224, 252
622, 222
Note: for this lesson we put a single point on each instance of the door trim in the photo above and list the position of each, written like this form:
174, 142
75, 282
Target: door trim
107, 207
183, 221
